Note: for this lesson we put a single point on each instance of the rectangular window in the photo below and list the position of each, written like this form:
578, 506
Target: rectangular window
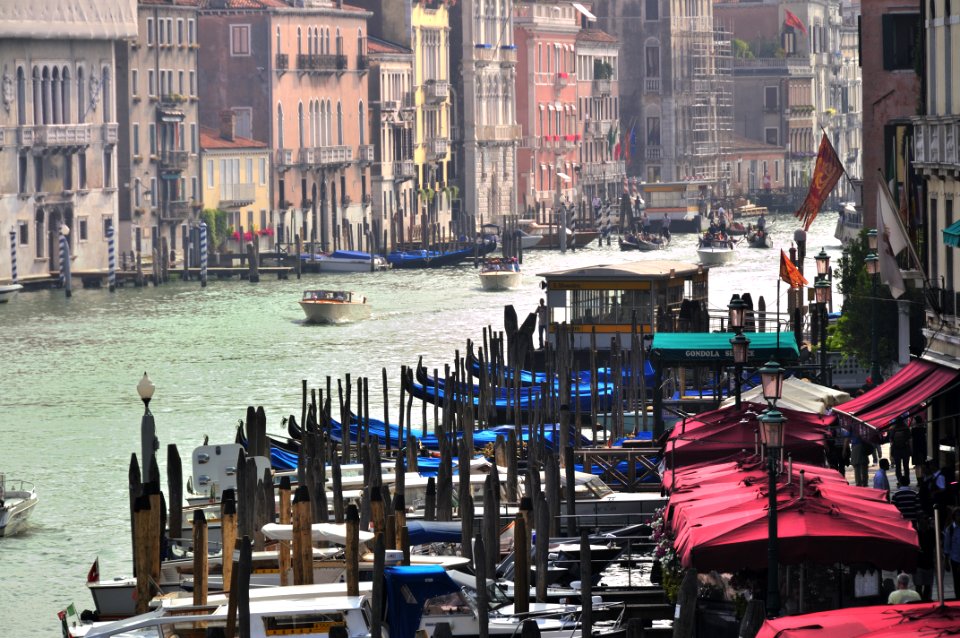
193, 82
107, 225
82, 229
776, 170
107, 169
771, 100
181, 87
181, 130
899, 40
653, 61
193, 137
263, 171
239, 39
263, 218
772, 136
653, 10
24, 233
191, 32
135, 142
243, 122
22, 177
249, 179
152, 134
149, 32
193, 189
180, 40
161, 32
209, 173
153, 191
134, 81
82, 171
151, 83
169, 30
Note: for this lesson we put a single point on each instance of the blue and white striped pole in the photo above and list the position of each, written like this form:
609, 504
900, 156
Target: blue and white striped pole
111, 259
65, 261
203, 254
13, 256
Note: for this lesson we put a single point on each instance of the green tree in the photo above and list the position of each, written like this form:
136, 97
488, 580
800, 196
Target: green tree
741, 48
216, 221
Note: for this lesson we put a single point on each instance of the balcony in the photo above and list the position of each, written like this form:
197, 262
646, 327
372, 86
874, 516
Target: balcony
168, 100
653, 153
284, 158
237, 195
110, 134
363, 62
437, 148
596, 127
282, 62
498, 133
175, 210
602, 87
54, 136
651, 85
333, 155
562, 79
404, 169
436, 90
320, 63
308, 156
935, 142
389, 106
173, 161
366, 199
365, 153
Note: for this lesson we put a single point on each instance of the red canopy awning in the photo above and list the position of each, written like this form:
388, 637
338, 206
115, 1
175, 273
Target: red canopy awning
920, 619
906, 391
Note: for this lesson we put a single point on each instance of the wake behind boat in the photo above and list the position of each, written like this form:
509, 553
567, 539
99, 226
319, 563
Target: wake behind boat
500, 274
17, 500
716, 249
334, 306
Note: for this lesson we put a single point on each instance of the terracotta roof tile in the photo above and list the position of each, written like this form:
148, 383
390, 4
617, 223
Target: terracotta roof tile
210, 139
596, 35
376, 45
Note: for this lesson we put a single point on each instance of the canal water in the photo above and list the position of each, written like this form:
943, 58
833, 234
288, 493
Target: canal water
70, 414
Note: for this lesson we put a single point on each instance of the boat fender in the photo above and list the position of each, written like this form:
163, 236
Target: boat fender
576, 584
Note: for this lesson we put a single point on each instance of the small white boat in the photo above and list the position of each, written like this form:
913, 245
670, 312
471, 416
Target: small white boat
500, 274
9, 291
350, 261
714, 252
334, 306
528, 241
17, 500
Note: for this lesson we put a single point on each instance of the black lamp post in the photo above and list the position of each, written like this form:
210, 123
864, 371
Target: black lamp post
148, 429
771, 431
741, 347
822, 290
873, 268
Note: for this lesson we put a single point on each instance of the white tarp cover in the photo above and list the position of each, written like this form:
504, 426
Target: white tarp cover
803, 396
330, 532
68, 19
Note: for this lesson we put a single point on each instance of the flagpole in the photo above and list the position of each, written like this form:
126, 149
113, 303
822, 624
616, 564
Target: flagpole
842, 167
777, 324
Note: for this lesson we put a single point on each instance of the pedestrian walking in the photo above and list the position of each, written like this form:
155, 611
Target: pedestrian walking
880, 481
918, 444
543, 320
860, 452
907, 501
900, 448
951, 549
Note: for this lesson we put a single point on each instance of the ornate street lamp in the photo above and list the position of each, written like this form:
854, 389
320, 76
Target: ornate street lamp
823, 263
873, 268
771, 381
872, 240
741, 348
822, 292
148, 429
772, 430
736, 313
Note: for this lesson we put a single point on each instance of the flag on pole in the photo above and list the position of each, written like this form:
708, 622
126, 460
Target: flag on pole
791, 20
93, 576
612, 136
826, 174
789, 273
892, 239
633, 140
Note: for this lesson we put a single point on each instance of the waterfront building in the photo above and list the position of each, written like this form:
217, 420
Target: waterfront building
545, 35
755, 166
394, 172
236, 180
602, 170
486, 134
891, 95
58, 130
159, 156
304, 70
425, 108
679, 85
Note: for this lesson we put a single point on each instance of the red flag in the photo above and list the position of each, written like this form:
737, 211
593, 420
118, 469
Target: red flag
789, 273
791, 20
826, 174
616, 150
93, 576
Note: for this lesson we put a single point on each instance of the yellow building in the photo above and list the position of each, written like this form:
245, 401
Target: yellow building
430, 23
236, 179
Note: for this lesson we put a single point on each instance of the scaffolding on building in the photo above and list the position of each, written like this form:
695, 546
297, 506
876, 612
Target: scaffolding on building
703, 77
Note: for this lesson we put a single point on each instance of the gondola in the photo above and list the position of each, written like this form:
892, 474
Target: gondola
438, 258
757, 238
644, 242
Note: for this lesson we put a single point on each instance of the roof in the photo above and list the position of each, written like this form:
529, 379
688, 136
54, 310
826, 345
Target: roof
596, 35
741, 143
69, 19
210, 139
376, 45
650, 269
714, 347
244, 4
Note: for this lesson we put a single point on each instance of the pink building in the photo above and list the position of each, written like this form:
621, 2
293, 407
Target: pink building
545, 34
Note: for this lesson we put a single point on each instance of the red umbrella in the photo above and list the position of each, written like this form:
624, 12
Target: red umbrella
738, 470
880, 621
725, 433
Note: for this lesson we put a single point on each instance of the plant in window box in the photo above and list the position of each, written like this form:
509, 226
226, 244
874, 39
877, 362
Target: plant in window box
345, 201
137, 159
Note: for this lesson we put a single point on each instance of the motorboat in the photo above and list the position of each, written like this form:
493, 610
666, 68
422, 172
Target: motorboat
17, 500
500, 274
550, 235
644, 242
849, 223
334, 306
716, 250
348, 261
759, 238
9, 291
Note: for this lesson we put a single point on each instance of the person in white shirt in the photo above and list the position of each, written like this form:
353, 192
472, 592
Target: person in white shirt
903, 594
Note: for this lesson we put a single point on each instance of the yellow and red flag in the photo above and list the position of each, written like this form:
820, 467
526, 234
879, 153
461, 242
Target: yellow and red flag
789, 273
826, 174
791, 20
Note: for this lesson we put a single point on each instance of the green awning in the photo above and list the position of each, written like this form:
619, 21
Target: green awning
714, 347
951, 235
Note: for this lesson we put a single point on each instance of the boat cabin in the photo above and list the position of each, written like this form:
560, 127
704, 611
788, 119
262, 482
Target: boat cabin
605, 298
686, 204
333, 296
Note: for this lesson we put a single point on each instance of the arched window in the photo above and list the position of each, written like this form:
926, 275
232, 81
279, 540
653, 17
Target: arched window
65, 96
316, 40
299, 42
21, 97
362, 124
278, 41
81, 97
339, 43
39, 232
105, 95
329, 129
37, 97
361, 44
47, 100
56, 93
279, 125
313, 125
339, 124
300, 121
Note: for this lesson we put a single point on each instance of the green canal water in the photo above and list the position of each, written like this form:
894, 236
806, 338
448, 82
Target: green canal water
70, 414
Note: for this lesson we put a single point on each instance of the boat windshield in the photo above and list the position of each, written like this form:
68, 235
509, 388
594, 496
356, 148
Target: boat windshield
452, 604
597, 487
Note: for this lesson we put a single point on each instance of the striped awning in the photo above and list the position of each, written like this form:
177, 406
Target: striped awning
951, 235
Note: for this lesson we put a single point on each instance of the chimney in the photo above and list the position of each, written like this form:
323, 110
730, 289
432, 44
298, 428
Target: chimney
228, 124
